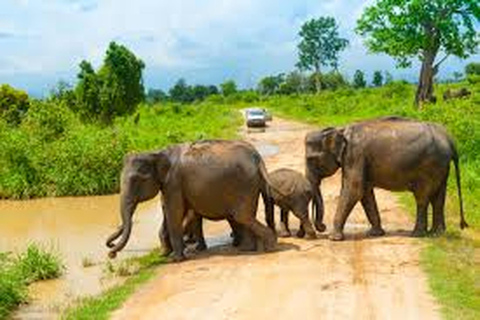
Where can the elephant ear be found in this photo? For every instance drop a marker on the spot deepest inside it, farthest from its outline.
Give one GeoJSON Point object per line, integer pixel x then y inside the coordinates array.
{"type": "Point", "coordinates": [335, 143]}
{"type": "Point", "coordinates": [162, 164]}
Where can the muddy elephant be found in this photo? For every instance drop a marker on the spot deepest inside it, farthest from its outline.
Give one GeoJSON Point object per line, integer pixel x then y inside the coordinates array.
{"type": "Point", "coordinates": [295, 196]}
{"type": "Point", "coordinates": [456, 94]}
{"type": "Point", "coordinates": [217, 179]}
{"type": "Point", "coordinates": [390, 153]}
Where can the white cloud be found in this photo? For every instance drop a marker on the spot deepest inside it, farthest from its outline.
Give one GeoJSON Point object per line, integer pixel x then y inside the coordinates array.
{"type": "Point", "coordinates": [205, 40]}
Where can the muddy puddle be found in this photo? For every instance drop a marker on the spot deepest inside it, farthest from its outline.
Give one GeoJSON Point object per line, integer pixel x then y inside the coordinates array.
{"type": "Point", "coordinates": [76, 228]}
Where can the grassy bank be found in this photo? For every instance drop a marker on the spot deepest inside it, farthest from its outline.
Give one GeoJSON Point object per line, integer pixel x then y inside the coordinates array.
{"type": "Point", "coordinates": [102, 306]}
{"type": "Point", "coordinates": [53, 153]}
{"type": "Point", "coordinates": [18, 271]}
{"type": "Point", "coordinates": [452, 262]}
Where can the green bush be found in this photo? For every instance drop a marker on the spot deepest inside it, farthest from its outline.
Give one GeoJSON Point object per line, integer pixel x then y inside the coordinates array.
{"type": "Point", "coordinates": [13, 104]}
{"type": "Point", "coordinates": [16, 272]}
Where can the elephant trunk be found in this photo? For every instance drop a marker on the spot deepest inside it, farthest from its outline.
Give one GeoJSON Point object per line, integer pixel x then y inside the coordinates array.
{"type": "Point", "coordinates": [114, 237]}
{"type": "Point", "coordinates": [127, 210]}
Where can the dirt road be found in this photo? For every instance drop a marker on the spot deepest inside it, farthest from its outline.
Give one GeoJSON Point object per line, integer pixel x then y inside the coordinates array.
{"type": "Point", "coordinates": [360, 278]}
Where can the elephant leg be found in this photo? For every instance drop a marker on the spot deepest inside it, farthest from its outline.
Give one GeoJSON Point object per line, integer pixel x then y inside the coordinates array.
{"type": "Point", "coordinates": [370, 207]}
{"type": "Point", "coordinates": [198, 233]}
{"type": "Point", "coordinates": [350, 194]}
{"type": "Point", "coordinates": [243, 238]}
{"type": "Point", "coordinates": [246, 217]}
{"type": "Point", "coordinates": [164, 238]}
{"type": "Point", "coordinates": [420, 229]}
{"type": "Point", "coordinates": [284, 230]}
{"type": "Point", "coordinates": [306, 227]}
{"type": "Point", "coordinates": [163, 234]}
{"type": "Point", "coordinates": [269, 211]}
{"type": "Point", "coordinates": [175, 215]}
{"type": "Point", "coordinates": [189, 227]}
{"type": "Point", "coordinates": [438, 205]}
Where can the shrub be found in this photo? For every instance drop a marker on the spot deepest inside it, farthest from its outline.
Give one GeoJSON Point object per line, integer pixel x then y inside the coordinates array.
{"type": "Point", "coordinates": [13, 104]}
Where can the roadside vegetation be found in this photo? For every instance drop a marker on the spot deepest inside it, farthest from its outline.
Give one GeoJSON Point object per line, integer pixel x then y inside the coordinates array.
{"type": "Point", "coordinates": [140, 270]}
{"type": "Point", "coordinates": [18, 271]}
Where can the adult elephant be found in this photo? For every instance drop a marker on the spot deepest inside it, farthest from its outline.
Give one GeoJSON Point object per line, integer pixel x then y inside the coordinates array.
{"type": "Point", "coordinates": [217, 179]}
{"type": "Point", "coordinates": [391, 153]}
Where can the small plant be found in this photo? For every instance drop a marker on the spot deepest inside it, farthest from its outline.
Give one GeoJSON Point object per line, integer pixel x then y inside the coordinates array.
{"type": "Point", "coordinates": [38, 264]}
{"type": "Point", "coordinates": [87, 262]}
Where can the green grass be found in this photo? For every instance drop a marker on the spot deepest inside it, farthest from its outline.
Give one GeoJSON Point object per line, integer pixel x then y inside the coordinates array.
{"type": "Point", "coordinates": [451, 262]}
{"type": "Point", "coordinates": [52, 153]}
{"type": "Point", "coordinates": [100, 307]}
{"type": "Point", "coordinates": [16, 272]}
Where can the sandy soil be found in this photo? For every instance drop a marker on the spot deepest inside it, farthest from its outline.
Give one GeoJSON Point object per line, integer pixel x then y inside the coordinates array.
{"type": "Point", "coordinates": [360, 278]}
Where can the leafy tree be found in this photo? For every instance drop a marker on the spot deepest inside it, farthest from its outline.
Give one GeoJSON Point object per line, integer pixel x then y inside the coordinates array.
{"type": "Point", "coordinates": [88, 92]}
{"type": "Point", "coordinates": [271, 84]}
{"type": "Point", "coordinates": [423, 29]}
{"type": "Point", "coordinates": [320, 45]}
{"type": "Point", "coordinates": [121, 82]}
{"type": "Point", "coordinates": [457, 76]}
{"type": "Point", "coordinates": [388, 77]}
{"type": "Point", "coordinates": [228, 88]}
{"type": "Point", "coordinates": [200, 92]}
{"type": "Point", "coordinates": [212, 89]}
{"type": "Point", "coordinates": [359, 79]}
{"type": "Point", "coordinates": [377, 79]}
{"type": "Point", "coordinates": [155, 96]}
{"type": "Point", "coordinates": [14, 104]}
{"type": "Point", "coordinates": [295, 82]}
{"type": "Point", "coordinates": [472, 68]}
{"type": "Point", "coordinates": [181, 92]}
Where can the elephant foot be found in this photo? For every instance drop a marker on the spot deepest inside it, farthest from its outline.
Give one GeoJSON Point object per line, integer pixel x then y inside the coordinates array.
{"type": "Point", "coordinates": [175, 258]}
{"type": "Point", "coordinates": [437, 231]}
{"type": "Point", "coordinates": [310, 236]}
{"type": "Point", "coordinates": [300, 233]}
{"type": "Point", "coordinates": [321, 227]}
{"type": "Point", "coordinates": [376, 232]}
{"type": "Point", "coordinates": [270, 243]}
{"type": "Point", "coordinates": [189, 240]}
{"type": "Point", "coordinates": [418, 233]}
{"type": "Point", "coordinates": [201, 246]}
{"type": "Point", "coordinates": [247, 246]}
{"type": "Point", "coordinates": [336, 236]}
{"type": "Point", "coordinates": [165, 252]}
{"type": "Point", "coordinates": [284, 233]}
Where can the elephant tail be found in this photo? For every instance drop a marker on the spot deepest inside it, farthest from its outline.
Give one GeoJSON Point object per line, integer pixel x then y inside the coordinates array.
{"type": "Point", "coordinates": [463, 223]}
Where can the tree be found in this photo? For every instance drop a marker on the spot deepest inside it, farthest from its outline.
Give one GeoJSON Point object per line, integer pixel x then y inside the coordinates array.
{"type": "Point", "coordinates": [87, 92]}
{"type": "Point", "coordinates": [388, 77]}
{"type": "Point", "coordinates": [472, 68]}
{"type": "Point", "coordinates": [457, 76]}
{"type": "Point", "coordinates": [295, 82]}
{"type": "Point", "coordinates": [14, 104]}
{"type": "Point", "coordinates": [359, 79]}
{"type": "Point", "coordinates": [271, 84]}
{"type": "Point", "coordinates": [320, 45]}
{"type": "Point", "coordinates": [377, 79]}
{"type": "Point", "coordinates": [121, 82]}
{"type": "Point", "coordinates": [181, 92]}
{"type": "Point", "coordinates": [423, 29]}
{"type": "Point", "coordinates": [155, 96]}
{"type": "Point", "coordinates": [228, 88]}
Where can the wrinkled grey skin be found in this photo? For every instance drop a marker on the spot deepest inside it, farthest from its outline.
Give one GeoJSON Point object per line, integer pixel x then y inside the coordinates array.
{"type": "Point", "coordinates": [390, 153]}
{"type": "Point", "coordinates": [455, 94]}
{"type": "Point", "coordinates": [295, 196]}
{"type": "Point", "coordinates": [217, 179]}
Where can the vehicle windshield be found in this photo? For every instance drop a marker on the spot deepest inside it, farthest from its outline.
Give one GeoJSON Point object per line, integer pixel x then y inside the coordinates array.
{"type": "Point", "coordinates": [256, 113]}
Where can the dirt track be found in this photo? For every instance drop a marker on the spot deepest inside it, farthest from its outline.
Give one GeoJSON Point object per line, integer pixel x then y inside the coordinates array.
{"type": "Point", "coordinates": [360, 278]}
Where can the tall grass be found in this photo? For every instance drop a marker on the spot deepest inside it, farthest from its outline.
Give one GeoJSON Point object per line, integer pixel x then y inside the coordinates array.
{"type": "Point", "coordinates": [52, 153]}
{"type": "Point", "coordinates": [16, 272]}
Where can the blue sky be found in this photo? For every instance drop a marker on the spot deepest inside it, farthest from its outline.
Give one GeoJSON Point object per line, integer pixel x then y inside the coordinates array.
{"type": "Point", "coordinates": [203, 41]}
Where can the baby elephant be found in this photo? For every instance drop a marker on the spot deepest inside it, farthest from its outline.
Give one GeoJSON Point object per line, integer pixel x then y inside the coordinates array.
{"type": "Point", "coordinates": [291, 191]}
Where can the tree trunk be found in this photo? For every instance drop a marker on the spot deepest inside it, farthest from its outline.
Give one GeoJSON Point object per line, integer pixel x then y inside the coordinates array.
{"type": "Point", "coordinates": [318, 85]}
{"type": "Point", "coordinates": [425, 82]}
